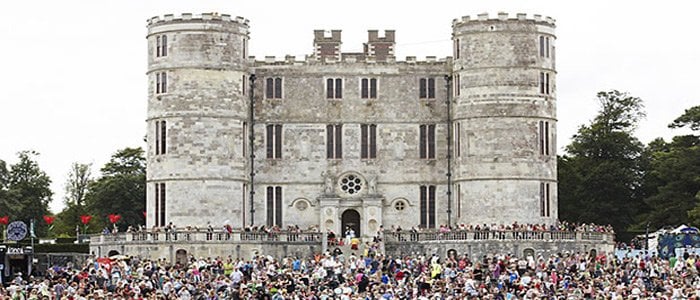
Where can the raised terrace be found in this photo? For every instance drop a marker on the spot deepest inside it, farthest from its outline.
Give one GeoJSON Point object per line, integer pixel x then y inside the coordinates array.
{"type": "Point", "coordinates": [243, 244]}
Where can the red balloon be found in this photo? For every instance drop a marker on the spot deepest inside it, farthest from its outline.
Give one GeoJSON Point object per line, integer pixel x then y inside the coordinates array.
{"type": "Point", "coordinates": [85, 219]}
{"type": "Point", "coordinates": [49, 219]}
{"type": "Point", "coordinates": [114, 218]}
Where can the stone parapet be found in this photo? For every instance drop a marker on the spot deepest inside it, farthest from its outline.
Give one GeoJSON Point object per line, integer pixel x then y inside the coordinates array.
{"type": "Point", "coordinates": [189, 17]}
{"type": "Point", "coordinates": [476, 244]}
{"type": "Point", "coordinates": [176, 246]}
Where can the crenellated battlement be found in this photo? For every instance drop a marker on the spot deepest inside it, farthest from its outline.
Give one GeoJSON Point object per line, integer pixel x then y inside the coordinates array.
{"type": "Point", "coordinates": [214, 16]}
{"type": "Point", "coordinates": [503, 16]}
{"type": "Point", "coordinates": [347, 58]}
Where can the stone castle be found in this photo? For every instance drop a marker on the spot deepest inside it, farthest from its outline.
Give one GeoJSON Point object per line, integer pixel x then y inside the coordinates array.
{"type": "Point", "coordinates": [360, 140]}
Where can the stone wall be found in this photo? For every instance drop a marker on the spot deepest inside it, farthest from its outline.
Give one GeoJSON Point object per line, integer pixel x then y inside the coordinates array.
{"type": "Point", "coordinates": [499, 105]}
{"type": "Point", "coordinates": [477, 249]}
{"type": "Point", "coordinates": [496, 108]}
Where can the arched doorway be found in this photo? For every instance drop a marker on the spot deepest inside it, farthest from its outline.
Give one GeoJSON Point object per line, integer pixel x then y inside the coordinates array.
{"type": "Point", "coordinates": [350, 218]}
{"type": "Point", "coordinates": [181, 257]}
{"type": "Point", "coordinates": [594, 253]}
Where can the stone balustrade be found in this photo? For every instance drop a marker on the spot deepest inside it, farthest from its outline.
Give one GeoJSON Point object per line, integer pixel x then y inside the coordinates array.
{"type": "Point", "coordinates": [141, 237]}
{"type": "Point", "coordinates": [505, 235]}
{"type": "Point", "coordinates": [176, 246]}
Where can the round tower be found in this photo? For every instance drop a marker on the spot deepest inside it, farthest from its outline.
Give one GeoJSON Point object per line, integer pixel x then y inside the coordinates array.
{"type": "Point", "coordinates": [505, 120]}
{"type": "Point", "coordinates": [197, 120]}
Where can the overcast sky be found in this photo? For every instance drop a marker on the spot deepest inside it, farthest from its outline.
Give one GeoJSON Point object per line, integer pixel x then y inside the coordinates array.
{"type": "Point", "coordinates": [73, 84]}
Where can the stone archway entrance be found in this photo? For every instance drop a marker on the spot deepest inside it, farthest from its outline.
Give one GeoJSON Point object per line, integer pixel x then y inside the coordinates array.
{"type": "Point", "coordinates": [181, 256]}
{"type": "Point", "coordinates": [350, 218]}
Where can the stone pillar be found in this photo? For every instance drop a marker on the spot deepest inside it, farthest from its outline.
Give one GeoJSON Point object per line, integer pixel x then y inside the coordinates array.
{"type": "Point", "coordinates": [372, 214]}
{"type": "Point", "coordinates": [329, 219]}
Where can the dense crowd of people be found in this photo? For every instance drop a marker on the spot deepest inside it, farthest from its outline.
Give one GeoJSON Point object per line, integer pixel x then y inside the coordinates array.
{"type": "Point", "coordinates": [369, 274]}
{"type": "Point", "coordinates": [560, 226]}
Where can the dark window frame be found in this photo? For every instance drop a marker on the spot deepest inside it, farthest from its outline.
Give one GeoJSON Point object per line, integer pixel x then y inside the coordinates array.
{"type": "Point", "coordinates": [426, 88]}
{"type": "Point", "coordinates": [427, 141]}
{"type": "Point", "coordinates": [368, 141]}
{"type": "Point", "coordinates": [273, 141]}
{"type": "Point", "coordinates": [427, 205]}
{"type": "Point", "coordinates": [334, 141]}
{"type": "Point", "coordinates": [273, 206]}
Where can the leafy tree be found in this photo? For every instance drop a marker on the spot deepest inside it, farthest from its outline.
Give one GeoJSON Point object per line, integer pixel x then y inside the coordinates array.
{"type": "Point", "coordinates": [686, 158]}
{"type": "Point", "coordinates": [690, 118]}
{"type": "Point", "coordinates": [79, 179]}
{"type": "Point", "coordinates": [29, 190]}
{"type": "Point", "coordinates": [4, 184]}
{"type": "Point", "coordinates": [673, 180]}
{"type": "Point", "coordinates": [600, 174]}
{"type": "Point", "coordinates": [121, 189]}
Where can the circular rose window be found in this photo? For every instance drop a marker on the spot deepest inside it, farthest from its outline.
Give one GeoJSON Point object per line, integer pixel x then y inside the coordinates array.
{"type": "Point", "coordinates": [351, 184]}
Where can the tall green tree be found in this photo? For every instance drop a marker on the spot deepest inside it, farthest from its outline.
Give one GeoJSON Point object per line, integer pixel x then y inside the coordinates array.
{"type": "Point", "coordinates": [29, 190]}
{"type": "Point", "coordinates": [673, 181]}
{"type": "Point", "coordinates": [121, 189]}
{"type": "Point", "coordinates": [682, 163]}
{"type": "Point", "coordinates": [4, 184]}
{"type": "Point", "coordinates": [76, 187]}
{"type": "Point", "coordinates": [77, 183]}
{"type": "Point", "coordinates": [600, 173]}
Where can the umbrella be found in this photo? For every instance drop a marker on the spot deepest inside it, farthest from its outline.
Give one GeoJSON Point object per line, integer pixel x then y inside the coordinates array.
{"type": "Point", "coordinates": [689, 230]}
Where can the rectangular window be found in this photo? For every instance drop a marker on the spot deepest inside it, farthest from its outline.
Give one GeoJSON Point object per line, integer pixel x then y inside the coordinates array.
{"type": "Point", "coordinates": [426, 141]}
{"type": "Point", "coordinates": [542, 50]}
{"type": "Point", "coordinates": [543, 137]}
{"type": "Point", "coordinates": [157, 144]}
{"type": "Point", "coordinates": [158, 46]}
{"type": "Point", "coordinates": [244, 138]}
{"type": "Point", "coordinates": [547, 47]}
{"type": "Point", "coordinates": [456, 48]}
{"type": "Point", "coordinates": [456, 85]}
{"type": "Point", "coordinates": [269, 88]}
{"type": "Point", "coordinates": [273, 88]}
{"type": "Point", "coordinates": [334, 88]}
{"type": "Point", "coordinates": [161, 82]}
{"type": "Point", "coordinates": [274, 140]}
{"type": "Point", "coordinates": [334, 141]}
{"type": "Point", "coordinates": [546, 196]}
{"type": "Point", "coordinates": [244, 199]}
{"type": "Point", "coordinates": [427, 206]}
{"type": "Point", "coordinates": [278, 88]}
{"type": "Point", "coordinates": [459, 200]}
{"type": "Point", "coordinates": [161, 45]}
{"type": "Point", "coordinates": [544, 200]}
{"type": "Point", "coordinates": [156, 215]}
{"type": "Point", "coordinates": [274, 206]}
{"type": "Point", "coordinates": [426, 88]}
{"type": "Point", "coordinates": [368, 141]}
{"type": "Point", "coordinates": [458, 139]}
{"type": "Point", "coordinates": [161, 135]}
{"type": "Point", "coordinates": [244, 49]}
{"type": "Point", "coordinates": [160, 204]}
{"type": "Point", "coordinates": [244, 83]}
{"type": "Point", "coordinates": [544, 83]}
{"type": "Point", "coordinates": [368, 88]}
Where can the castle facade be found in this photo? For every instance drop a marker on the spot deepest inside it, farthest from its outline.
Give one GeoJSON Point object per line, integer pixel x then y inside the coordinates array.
{"type": "Point", "coordinates": [358, 140]}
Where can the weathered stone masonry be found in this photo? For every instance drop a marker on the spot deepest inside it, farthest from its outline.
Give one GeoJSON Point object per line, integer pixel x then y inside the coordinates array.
{"type": "Point", "coordinates": [501, 88]}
